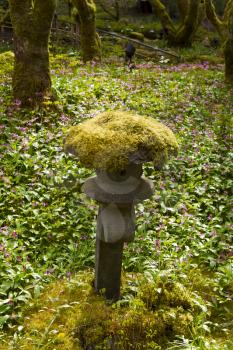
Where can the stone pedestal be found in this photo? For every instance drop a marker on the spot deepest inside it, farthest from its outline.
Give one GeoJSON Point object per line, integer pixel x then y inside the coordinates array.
{"type": "Point", "coordinates": [108, 262]}
{"type": "Point", "coordinates": [117, 193]}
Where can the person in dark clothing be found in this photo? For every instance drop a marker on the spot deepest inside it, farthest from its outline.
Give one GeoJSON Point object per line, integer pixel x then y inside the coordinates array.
{"type": "Point", "coordinates": [129, 53]}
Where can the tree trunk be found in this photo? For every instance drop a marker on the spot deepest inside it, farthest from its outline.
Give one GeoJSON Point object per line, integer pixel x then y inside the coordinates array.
{"type": "Point", "coordinates": [90, 41]}
{"type": "Point", "coordinates": [187, 29]}
{"type": "Point", "coordinates": [214, 18]}
{"type": "Point", "coordinates": [183, 6]}
{"type": "Point", "coordinates": [202, 12]}
{"type": "Point", "coordinates": [165, 19]}
{"type": "Point", "coordinates": [228, 53]}
{"type": "Point", "coordinates": [117, 9]}
{"type": "Point", "coordinates": [227, 10]}
{"type": "Point", "coordinates": [31, 24]}
{"type": "Point", "coordinates": [228, 50]}
{"type": "Point", "coordinates": [182, 36]}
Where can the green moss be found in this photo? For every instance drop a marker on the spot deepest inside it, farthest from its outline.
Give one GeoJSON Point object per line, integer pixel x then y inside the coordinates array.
{"type": "Point", "coordinates": [6, 62]}
{"type": "Point", "coordinates": [137, 36]}
{"type": "Point", "coordinates": [166, 293]}
{"type": "Point", "coordinates": [5, 56]}
{"type": "Point", "coordinates": [70, 316]}
{"type": "Point", "coordinates": [110, 140]}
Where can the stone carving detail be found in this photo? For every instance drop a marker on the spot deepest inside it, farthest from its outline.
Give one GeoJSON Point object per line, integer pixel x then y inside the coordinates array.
{"type": "Point", "coordinates": [117, 194]}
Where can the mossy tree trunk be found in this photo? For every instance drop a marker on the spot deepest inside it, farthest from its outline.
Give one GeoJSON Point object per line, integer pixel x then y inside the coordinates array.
{"type": "Point", "coordinates": [166, 21]}
{"type": "Point", "coordinates": [220, 23]}
{"type": "Point", "coordinates": [183, 6]}
{"type": "Point", "coordinates": [228, 50]}
{"type": "Point", "coordinates": [90, 41]}
{"type": "Point", "coordinates": [31, 22]}
{"type": "Point", "coordinates": [202, 12]}
{"type": "Point", "coordinates": [183, 34]}
{"type": "Point", "coordinates": [189, 26]}
{"type": "Point", "coordinates": [214, 18]}
{"type": "Point", "coordinates": [227, 10]}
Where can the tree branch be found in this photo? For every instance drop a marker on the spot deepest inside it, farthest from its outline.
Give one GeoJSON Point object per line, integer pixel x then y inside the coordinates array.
{"type": "Point", "coordinates": [227, 10]}
{"type": "Point", "coordinates": [190, 23]}
{"type": "Point", "coordinates": [4, 16]}
{"type": "Point", "coordinates": [86, 7]}
{"type": "Point", "coordinates": [166, 20]}
{"type": "Point", "coordinates": [114, 16]}
{"type": "Point", "coordinates": [214, 18]}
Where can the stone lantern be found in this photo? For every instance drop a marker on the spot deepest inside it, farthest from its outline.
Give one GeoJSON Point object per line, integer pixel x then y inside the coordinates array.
{"type": "Point", "coordinates": [116, 144]}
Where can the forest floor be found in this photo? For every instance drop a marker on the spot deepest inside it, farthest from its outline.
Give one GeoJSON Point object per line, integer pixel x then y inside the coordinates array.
{"type": "Point", "coordinates": [177, 274]}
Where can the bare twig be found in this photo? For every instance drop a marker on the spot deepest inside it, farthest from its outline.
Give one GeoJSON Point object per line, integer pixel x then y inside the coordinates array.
{"type": "Point", "coordinates": [139, 43]}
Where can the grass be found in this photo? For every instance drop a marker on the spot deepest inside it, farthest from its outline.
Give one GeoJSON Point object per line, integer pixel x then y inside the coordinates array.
{"type": "Point", "coordinates": [184, 234]}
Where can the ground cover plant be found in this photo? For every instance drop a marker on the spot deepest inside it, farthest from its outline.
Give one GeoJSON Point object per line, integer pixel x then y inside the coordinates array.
{"type": "Point", "coordinates": [184, 234]}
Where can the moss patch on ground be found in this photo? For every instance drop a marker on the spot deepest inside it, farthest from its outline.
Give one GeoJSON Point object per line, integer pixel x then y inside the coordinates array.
{"type": "Point", "coordinates": [69, 315]}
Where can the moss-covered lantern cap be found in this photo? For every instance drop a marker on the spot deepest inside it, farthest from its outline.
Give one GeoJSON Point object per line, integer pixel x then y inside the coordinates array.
{"type": "Point", "coordinates": [113, 139]}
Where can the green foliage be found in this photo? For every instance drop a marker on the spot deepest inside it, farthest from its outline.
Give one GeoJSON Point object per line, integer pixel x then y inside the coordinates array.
{"type": "Point", "coordinates": [47, 226]}
{"type": "Point", "coordinates": [6, 61]}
